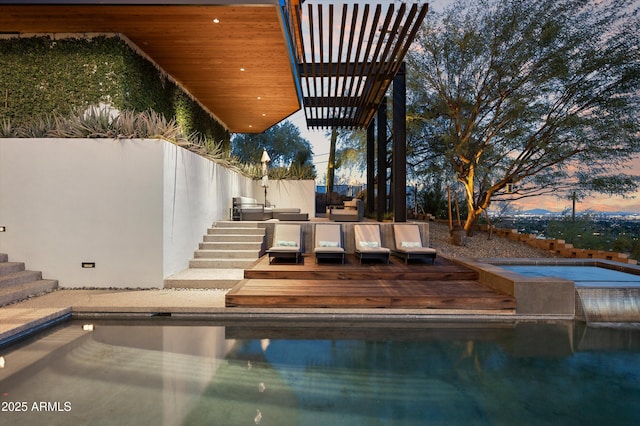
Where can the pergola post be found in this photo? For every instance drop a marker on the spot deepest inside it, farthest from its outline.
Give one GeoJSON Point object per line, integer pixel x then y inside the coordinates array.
{"type": "Point", "coordinates": [382, 159]}
{"type": "Point", "coordinates": [371, 173]}
{"type": "Point", "coordinates": [399, 148]}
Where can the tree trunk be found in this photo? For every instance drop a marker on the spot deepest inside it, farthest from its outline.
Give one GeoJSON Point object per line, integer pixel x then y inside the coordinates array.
{"type": "Point", "coordinates": [332, 164]}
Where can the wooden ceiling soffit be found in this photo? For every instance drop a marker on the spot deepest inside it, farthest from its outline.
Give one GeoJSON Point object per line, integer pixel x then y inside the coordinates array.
{"type": "Point", "coordinates": [234, 59]}
{"type": "Point", "coordinates": [347, 56]}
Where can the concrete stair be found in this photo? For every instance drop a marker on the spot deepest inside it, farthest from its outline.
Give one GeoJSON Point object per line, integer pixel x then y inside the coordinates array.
{"type": "Point", "coordinates": [16, 283]}
{"type": "Point", "coordinates": [228, 248]}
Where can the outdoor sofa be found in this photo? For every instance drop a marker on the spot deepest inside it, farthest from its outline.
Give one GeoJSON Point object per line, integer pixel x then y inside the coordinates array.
{"type": "Point", "coordinates": [349, 211]}
{"type": "Point", "coordinates": [245, 208]}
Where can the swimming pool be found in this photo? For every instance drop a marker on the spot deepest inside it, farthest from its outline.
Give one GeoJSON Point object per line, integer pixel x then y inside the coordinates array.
{"type": "Point", "coordinates": [351, 374]}
{"type": "Point", "coordinates": [581, 275]}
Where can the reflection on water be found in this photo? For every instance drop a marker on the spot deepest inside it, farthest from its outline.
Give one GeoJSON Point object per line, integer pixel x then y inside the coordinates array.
{"type": "Point", "coordinates": [583, 276]}
{"type": "Point", "coordinates": [277, 374]}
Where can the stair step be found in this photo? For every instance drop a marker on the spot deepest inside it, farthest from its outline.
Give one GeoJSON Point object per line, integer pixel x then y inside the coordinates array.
{"type": "Point", "coordinates": [209, 238]}
{"type": "Point", "coordinates": [236, 224]}
{"type": "Point", "coordinates": [221, 263]}
{"type": "Point", "coordinates": [231, 245]}
{"type": "Point", "coordinates": [227, 249]}
{"type": "Point", "coordinates": [11, 267]}
{"type": "Point", "coordinates": [18, 278]}
{"type": "Point", "coordinates": [236, 231]}
{"type": "Point", "coordinates": [205, 278]}
{"type": "Point", "coordinates": [227, 254]}
{"type": "Point", "coordinates": [26, 290]}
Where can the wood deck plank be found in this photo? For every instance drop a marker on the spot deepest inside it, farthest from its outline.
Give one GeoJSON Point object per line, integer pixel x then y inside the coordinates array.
{"type": "Point", "coordinates": [443, 286]}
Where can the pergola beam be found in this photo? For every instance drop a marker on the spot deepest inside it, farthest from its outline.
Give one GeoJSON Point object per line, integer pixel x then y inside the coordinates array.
{"type": "Point", "coordinates": [345, 89]}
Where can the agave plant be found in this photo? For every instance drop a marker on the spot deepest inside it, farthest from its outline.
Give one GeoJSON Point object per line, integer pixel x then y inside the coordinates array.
{"type": "Point", "coordinates": [299, 172]}
{"type": "Point", "coordinates": [126, 124]}
{"type": "Point", "coordinates": [7, 130]}
{"type": "Point", "coordinates": [36, 129]}
{"type": "Point", "coordinates": [106, 122]}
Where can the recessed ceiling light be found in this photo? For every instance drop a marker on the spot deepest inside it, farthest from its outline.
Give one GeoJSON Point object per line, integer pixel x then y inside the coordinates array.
{"type": "Point", "coordinates": [259, 98]}
{"type": "Point", "coordinates": [264, 115]}
{"type": "Point", "coordinates": [250, 125]}
{"type": "Point", "coordinates": [216, 21]}
{"type": "Point", "coordinates": [242, 69]}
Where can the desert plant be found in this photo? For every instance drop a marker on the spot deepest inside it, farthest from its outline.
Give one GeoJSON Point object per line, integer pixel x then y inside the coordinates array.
{"type": "Point", "coordinates": [6, 129]}
{"type": "Point", "coordinates": [36, 129]}
{"type": "Point", "coordinates": [106, 122]}
{"type": "Point", "coordinates": [301, 171]}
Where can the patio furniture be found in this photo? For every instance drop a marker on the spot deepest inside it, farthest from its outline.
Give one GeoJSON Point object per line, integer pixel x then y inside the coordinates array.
{"type": "Point", "coordinates": [350, 211]}
{"type": "Point", "coordinates": [292, 214]}
{"type": "Point", "coordinates": [286, 243]}
{"type": "Point", "coordinates": [245, 208]}
{"type": "Point", "coordinates": [408, 244]}
{"type": "Point", "coordinates": [368, 243]}
{"type": "Point", "coordinates": [328, 242]}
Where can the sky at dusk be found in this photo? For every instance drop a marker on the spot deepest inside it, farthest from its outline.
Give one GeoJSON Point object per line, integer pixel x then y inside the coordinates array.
{"type": "Point", "coordinates": [597, 202]}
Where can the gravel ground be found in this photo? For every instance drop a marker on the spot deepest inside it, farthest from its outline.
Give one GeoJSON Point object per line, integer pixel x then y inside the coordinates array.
{"type": "Point", "coordinates": [480, 246]}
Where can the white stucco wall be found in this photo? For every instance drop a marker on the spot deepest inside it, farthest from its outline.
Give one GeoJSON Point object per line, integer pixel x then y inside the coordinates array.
{"type": "Point", "coordinates": [65, 202]}
{"type": "Point", "coordinates": [137, 208]}
{"type": "Point", "coordinates": [289, 193]}
{"type": "Point", "coordinates": [197, 192]}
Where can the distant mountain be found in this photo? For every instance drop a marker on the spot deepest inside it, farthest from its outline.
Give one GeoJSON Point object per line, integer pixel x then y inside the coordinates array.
{"type": "Point", "coordinates": [616, 213]}
{"type": "Point", "coordinates": [544, 212]}
{"type": "Point", "coordinates": [538, 212]}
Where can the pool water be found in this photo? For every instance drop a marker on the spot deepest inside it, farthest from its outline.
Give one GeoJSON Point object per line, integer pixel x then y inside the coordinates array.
{"type": "Point", "coordinates": [583, 276]}
{"type": "Point", "coordinates": [422, 374]}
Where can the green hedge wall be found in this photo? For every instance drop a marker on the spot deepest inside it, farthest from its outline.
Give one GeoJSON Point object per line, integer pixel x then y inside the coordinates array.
{"type": "Point", "coordinates": [40, 76]}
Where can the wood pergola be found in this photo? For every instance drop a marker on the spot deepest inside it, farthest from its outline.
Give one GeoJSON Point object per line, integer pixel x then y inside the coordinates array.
{"type": "Point", "coordinates": [347, 56]}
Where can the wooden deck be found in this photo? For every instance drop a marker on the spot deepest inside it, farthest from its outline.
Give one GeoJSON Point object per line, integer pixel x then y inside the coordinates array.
{"type": "Point", "coordinates": [443, 286]}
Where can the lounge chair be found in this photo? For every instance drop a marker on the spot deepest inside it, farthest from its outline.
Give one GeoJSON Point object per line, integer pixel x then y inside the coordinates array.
{"type": "Point", "coordinates": [368, 243]}
{"type": "Point", "coordinates": [286, 243]}
{"type": "Point", "coordinates": [408, 244]}
{"type": "Point", "coordinates": [328, 242]}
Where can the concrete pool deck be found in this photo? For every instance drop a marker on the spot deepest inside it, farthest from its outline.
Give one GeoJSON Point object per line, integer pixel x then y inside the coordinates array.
{"type": "Point", "coordinates": [205, 304]}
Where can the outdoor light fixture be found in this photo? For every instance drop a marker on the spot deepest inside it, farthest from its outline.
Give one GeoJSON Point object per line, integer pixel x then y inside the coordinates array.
{"type": "Point", "coordinates": [88, 265]}
{"type": "Point", "coordinates": [1, 362]}
{"type": "Point", "coordinates": [87, 327]}
{"type": "Point", "coordinates": [3, 229]}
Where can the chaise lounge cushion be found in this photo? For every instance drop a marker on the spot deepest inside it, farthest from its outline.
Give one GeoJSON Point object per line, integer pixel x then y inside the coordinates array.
{"type": "Point", "coordinates": [368, 243]}
{"type": "Point", "coordinates": [408, 243]}
{"type": "Point", "coordinates": [286, 242]}
{"type": "Point", "coordinates": [328, 242]}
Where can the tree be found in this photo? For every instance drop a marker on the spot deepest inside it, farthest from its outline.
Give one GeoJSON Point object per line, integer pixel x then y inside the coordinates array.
{"type": "Point", "coordinates": [521, 98]}
{"type": "Point", "coordinates": [347, 154]}
{"type": "Point", "coordinates": [283, 142]}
